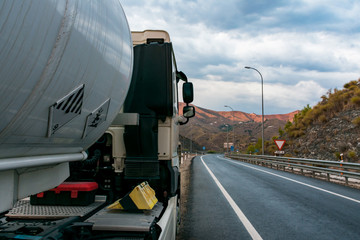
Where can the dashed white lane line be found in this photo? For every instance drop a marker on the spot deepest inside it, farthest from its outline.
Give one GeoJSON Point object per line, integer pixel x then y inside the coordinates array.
{"type": "Point", "coordinates": [295, 181]}
{"type": "Point", "coordinates": [247, 224]}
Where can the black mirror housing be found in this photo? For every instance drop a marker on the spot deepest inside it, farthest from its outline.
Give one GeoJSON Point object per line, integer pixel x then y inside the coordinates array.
{"type": "Point", "coordinates": [181, 76]}
{"type": "Point", "coordinates": [188, 111]}
{"type": "Point", "coordinates": [188, 92]}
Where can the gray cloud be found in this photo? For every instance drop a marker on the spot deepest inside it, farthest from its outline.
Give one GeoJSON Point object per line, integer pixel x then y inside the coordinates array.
{"type": "Point", "coordinates": [301, 47]}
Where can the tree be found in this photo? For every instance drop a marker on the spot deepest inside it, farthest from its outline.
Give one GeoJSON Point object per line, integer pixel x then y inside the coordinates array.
{"type": "Point", "coordinates": [281, 132]}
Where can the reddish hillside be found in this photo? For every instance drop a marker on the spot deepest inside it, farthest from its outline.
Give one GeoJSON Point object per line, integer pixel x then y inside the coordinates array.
{"type": "Point", "coordinates": [238, 116]}
{"type": "Point", "coordinates": [283, 117]}
{"type": "Point", "coordinates": [210, 129]}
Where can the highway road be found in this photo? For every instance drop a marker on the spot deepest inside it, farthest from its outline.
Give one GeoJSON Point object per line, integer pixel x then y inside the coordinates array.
{"type": "Point", "coordinates": [228, 199]}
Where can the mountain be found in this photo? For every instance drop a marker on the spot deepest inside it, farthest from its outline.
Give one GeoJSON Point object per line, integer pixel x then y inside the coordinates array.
{"type": "Point", "coordinates": [211, 129]}
{"type": "Point", "coordinates": [329, 129]}
{"type": "Point", "coordinates": [238, 116]}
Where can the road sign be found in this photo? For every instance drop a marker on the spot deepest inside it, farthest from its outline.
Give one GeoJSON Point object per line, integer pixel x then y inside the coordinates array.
{"type": "Point", "coordinates": [228, 145]}
{"type": "Point", "coordinates": [279, 143]}
{"type": "Point", "coordinates": [203, 148]}
{"type": "Point", "coordinates": [232, 148]}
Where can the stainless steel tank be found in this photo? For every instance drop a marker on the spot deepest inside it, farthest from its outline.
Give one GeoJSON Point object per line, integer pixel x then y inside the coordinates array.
{"type": "Point", "coordinates": [65, 69]}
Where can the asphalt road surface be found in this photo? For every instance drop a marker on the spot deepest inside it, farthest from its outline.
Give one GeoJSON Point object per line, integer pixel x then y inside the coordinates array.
{"type": "Point", "coordinates": [228, 199]}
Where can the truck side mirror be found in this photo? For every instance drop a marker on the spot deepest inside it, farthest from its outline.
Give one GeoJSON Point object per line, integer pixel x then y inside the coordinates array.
{"type": "Point", "coordinates": [188, 111]}
{"type": "Point", "coordinates": [188, 92]}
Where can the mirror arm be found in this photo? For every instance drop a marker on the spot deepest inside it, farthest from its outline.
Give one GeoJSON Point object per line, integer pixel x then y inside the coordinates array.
{"type": "Point", "coordinates": [181, 75]}
{"type": "Point", "coordinates": [183, 123]}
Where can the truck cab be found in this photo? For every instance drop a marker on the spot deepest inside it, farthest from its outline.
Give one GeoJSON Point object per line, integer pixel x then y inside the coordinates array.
{"type": "Point", "coordinates": [144, 137]}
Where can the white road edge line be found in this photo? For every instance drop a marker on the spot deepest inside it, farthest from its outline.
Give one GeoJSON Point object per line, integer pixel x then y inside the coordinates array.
{"type": "Point", "coordinates": [292, 180]}
{"type": "Point", "coordinates": [249, 227]}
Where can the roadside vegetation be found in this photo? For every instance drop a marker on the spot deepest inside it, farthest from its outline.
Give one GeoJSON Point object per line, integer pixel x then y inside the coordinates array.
{"type": "Point", "coordinates": [332, 103]}
{"type": "Point", "coordinates": [255, 148]}
{"type": "Point", "coordinates": [335, 104]}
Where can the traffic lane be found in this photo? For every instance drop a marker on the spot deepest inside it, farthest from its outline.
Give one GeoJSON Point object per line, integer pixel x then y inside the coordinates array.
{"type": "Point", "coordinates": [313, 212]}
{"type": "Point", "coordinates": [341, 189]}
{"type": "Point", "coordinates": [279, 208]}
{"type": "Point", "coordinates": [208, 215]}
{"type": "Point", "coordinates": [316, 183]}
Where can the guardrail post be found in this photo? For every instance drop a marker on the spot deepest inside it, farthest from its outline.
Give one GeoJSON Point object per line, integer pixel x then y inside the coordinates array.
{"type": "Point", "coordinates": [346, 180]}
{"type": "Point", "coordinates": [328, 177]}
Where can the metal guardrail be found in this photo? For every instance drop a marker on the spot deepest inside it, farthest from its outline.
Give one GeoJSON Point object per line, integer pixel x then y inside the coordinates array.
{"type": "Point", "coordinates": [305, 166]}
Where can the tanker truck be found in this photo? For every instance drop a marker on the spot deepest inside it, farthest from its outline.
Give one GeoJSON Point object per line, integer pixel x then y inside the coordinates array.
{"type": "Point", "coordinates": [90, 115]}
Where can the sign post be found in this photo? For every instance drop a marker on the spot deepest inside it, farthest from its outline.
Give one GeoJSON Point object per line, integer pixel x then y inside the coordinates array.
{"type": "Point", "coordinates": [227, 147]}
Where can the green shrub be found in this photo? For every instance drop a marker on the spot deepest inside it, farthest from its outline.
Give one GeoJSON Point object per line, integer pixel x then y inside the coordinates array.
{"type": "Point", "coordinates": [352, 154]}
{"type": "Point", "coordinates": [323, 118]}
{"type": "Point", "coordinates": [309, 117]}
{"type": "Point", "coordinates": [211, 152]}
{"type": "Point", "coordinates": [251, 148]}
{"type": "Point", "coordinates": [350, 84]}
{"type": "Point", "coordinates": [356, 121]}
{"type": "Point", "coordinates": [288, 125]}
{"type": "Point", "coordinates": [281, 132]}
{"type": "Point", "coordinates": [296, 133]}
{"type": "Point", "coordinates": [271, 149]}
{"type": "Point", "coordinates": [356, 100]}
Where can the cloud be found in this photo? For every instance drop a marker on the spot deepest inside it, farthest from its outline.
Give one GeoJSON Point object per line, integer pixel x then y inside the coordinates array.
{"type": "Point", "coordinates": [286, 97]}
{"type": "Point", "coordinates": [302, 48]}
{"type": "Point", "coordinates": [278, 98]}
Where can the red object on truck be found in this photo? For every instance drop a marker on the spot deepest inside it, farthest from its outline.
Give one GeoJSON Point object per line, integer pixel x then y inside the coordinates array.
{"type": "Point", "coordinates": [67, 194]}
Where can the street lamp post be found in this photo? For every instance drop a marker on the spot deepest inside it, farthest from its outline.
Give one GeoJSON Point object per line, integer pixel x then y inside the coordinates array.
{"type": "Point", "coordinates": [233, 123]}
{"type": "Point", "coordinates": [227, 139]}
{"type": "Point", "coordinates": [262, 107]}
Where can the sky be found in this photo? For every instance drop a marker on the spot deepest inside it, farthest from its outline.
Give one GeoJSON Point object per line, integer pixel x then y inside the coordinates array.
{"type": "Point", "coordinates": [302, 48]}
